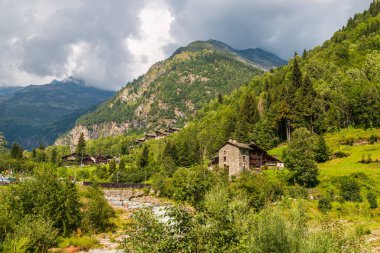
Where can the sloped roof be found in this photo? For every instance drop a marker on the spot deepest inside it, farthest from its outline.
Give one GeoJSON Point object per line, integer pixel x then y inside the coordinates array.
{"type": "Point", "coordinates": [238, 144]}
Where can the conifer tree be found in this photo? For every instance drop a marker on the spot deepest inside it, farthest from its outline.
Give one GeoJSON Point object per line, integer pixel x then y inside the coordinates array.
{"type": "Point", "coordinates": [296, 74]}
{"type": "Point", "coordinates": [220, 98]}
{"type": "Point", "coordinates": [122, 167]}
{"type": "Point", "coordinates": [144, 158]}
{"type": "Point", "coordinates": [249, 111]}
{"type": "Point", "coordinates": [304, 54]}
{"type": "Point", "coordinates": [112, 167]}
{"type": "Point", "coordinates": [53, 156]}
{"type": "Point", "coordinates": [81, 147]}
{"type": "Point", "coordinates": [16, 151]}
{"type": "Point", "coordinates": [322, 153]}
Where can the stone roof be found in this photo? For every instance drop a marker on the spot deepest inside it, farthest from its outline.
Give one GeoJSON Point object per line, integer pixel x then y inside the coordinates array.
{"type": "Point", "coordinates": [238, 144]}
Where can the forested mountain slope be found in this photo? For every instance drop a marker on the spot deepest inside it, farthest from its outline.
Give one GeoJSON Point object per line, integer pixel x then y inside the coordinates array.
{"type": "Point", "coordinates": [172, 91]}
{"type": "Point", "coordinates": [333, 86]}
{"type": "Point", "coordinates": [29, 115]}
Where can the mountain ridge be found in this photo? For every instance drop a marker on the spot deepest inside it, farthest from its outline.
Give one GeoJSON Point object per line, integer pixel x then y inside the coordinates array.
{"type": "Point", "coordinates": [170, 93]}
{"type": "Point", "coordinates": [28, 111]}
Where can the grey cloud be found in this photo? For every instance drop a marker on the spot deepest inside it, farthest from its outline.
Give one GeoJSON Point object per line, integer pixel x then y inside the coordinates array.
{"type": "Point", "coordinates": [37, 37]}
{"type": "Point", "coordinates": [44, 43]}
{"type": "Point", "coordinates": [278, 26]}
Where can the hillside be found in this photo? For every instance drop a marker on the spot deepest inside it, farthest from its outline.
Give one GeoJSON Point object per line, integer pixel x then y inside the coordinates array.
{"type": "Point", "coordinates": [29, 115]}
{"type": "Point", "coordinates": [172, 91]}
{"type": "Point", "coordinates": [332, 87]}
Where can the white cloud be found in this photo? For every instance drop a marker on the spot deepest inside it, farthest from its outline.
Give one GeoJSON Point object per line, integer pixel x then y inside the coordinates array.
{"type": "Point", "coordinates": [108, 43]}
{"type": "Point", "coordinates": [147, 46]}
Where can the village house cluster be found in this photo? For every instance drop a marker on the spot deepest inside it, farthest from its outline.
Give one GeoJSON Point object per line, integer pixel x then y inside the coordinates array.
{"type": "Point", "coordinates": [87, 159]}
{"type": "Point", "coordinates": [158, 135]}
{"type": "Point", "coordinates": [237, 157]}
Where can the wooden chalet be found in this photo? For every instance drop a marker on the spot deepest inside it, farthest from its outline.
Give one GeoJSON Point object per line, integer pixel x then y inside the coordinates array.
{"type": "Point", "coordinates": [171, 130]}
{"type": "Point", "coordinates": [70, 158]}
{"type": "Point", "coordinates": [160, 135]}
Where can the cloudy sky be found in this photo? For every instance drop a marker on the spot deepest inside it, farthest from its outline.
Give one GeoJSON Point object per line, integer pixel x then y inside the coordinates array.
{"type": "Point", "coordinates": [108, 43]}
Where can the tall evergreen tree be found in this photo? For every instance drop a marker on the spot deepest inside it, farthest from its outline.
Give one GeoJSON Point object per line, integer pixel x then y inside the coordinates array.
{"type": "Point", "coordinates": [144, 157]}
{"type": "Point", "coordinates": [249, 111]}
{"type": "Point", "coordinates": [16, 151]}
{"type": "Point", "coordinates": [54, 156]}
{"type": "Point", "coordinates": [81, 147]}
{"type": "Point", "coordinates": [112, 167]}
{"type": "Point", "coordinates": [296, 74]}
{"type": "Point", "coordinates": [322, 153]}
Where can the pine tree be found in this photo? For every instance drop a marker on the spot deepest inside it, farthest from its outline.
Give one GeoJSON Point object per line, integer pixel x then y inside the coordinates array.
{"type": "Point", "coordinates": [249, 111]}
{"type": "Point", "coordinates": [111, 167]}
{"type": "Point", "coordinates": [220, 98]}
{"type": "Point", "coordinates": [170, 151]}
{"type": "Point", "coordinates": [144, 157]}
{"type": "Point", "coordinates": [322, 151]}
{"type": "Point", "coordinates": [81, 147]}
{"type": "Point", "coordinates": [54, 156]}
{"type": "Point", "coordinates": [296, 74]}
{"type": "Point", "coordinates": [122, 165]}
{"type": "Point", "coordinates": [16, 151]}
{"type": "Point", "coordinates": [304, 54]}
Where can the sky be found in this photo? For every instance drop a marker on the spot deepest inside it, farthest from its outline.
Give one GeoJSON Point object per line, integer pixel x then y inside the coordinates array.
{"type": "Point", "coordinates": [109, 43]}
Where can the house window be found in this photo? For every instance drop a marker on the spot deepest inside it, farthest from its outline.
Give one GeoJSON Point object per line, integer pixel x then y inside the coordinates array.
{"type": "Point", "coordinates": [244, 158]}
{"type": "Point", "coordinates": [225, 159]}
{"type": "Point", "coordinates": [224, 152]}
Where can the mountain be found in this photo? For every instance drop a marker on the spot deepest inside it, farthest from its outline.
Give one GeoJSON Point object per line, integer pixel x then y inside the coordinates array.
{"type": "Point", "coordinates": [7, 92]}
{"type": "Point", "coordinates": [172, 91]}
{"type": "Point", "coordinates": [257, 57]}
{"type": "Point", "coordinates": [29, 115]}
{"type": "Point", "coordinates": [332, 87]}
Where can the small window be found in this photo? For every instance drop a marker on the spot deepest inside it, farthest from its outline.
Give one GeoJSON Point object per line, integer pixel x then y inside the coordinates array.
{"type": "Point", "coordinates": [225, 159]}
{"type": "Point", "coordinates": [224, 152]}
{"type": "Point", "coordinates": [244, 158]}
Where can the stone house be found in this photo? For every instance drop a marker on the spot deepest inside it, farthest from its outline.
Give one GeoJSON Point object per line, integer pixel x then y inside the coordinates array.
{"type": "Point", "coordinates": [237, 157]}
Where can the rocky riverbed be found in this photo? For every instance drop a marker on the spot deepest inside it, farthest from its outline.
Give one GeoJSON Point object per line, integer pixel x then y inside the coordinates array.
{"type": "Point", "coordinates": [128, 201]}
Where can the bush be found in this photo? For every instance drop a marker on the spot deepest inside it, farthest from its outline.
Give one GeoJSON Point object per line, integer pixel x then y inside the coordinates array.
{"type": "Point", "coordinates": [97, 212]}
{"type": "Point", "coordinates": [148, 234]}
{"type": "Point", "coordinates": [31, 234]}
{"type": "Point", "coordinates": [349, 189]}
{"type": "Point", "coordinates": [373, 139]}
{"type": "Point", "coordinates": [324, 204]}
{"type": "Point", "coordinates": [84, 242]}
{"type": "Point", "coordinates": [372, 200]}
{"type": "Point", "coordinates": [340, 154]}
{"type": "Point", "coordinates": [258, 188]}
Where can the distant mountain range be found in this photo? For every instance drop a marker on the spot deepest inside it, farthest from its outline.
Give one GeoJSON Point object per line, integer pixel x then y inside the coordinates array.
{"type": "Point", "coordinates": [40, 113]}
{"type": "Point", "coordinates": [173, 90]}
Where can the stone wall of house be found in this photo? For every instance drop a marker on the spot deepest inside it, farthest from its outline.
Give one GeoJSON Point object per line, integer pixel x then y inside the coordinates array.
{"type": "Point", "coordinates": [244, 159]}
{"type": "Point", "coordinates": [233, 159]}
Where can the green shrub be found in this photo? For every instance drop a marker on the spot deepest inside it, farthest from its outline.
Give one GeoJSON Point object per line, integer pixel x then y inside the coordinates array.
{"type": "Point", "coordinates": [31, 234]}
{"type": "Point", "coordinates": [340, 154]}
{"type": "Point", "coordinates": [349, 189]}
{"type": "Point", "coordinates": [83, 242]}
{"type": "Point", "coordinates": [97, 212]}
{"type": "Point", "coordinates": [324, 204]}
{"type": "Point", "coordinates": [372, 200]}
{"type": "Point", "coordinates": [373, 139]}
